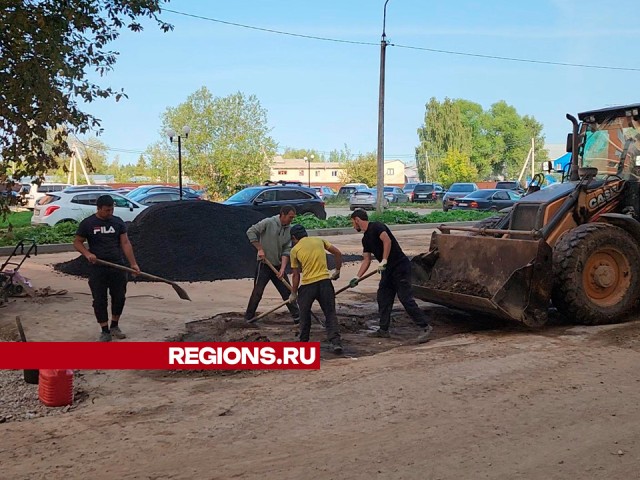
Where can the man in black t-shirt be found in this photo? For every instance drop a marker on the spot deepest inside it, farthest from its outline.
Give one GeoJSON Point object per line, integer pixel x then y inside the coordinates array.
{"type": "Point", "coordinates": [108, 240]}
{"type": "Point", "coordinates": [395, 270]}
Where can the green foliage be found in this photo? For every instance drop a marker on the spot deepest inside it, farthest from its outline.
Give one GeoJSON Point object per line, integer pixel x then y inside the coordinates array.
{"type": "Point", "coordinates": [392, 217]}
{"type": "Point", "coordinates": [16, 219]}
{"type": "Point", "coordinates": [229, 143]}
{"type": "Point", "coordinates": [456, 167]}
{"type": "Point", "coordinates": [48, 48]}
{"type": "Point", "coordinates": [364, 169]}
{"type": "Point", "coordinates": [43, 235]}
{"type": "Point", "coordinates": [340, 156]}
{"type": "Point", "coordinates": [443, 130]}
{"type": "Point", "coordinates": [299, 153]}
{"type": "Point", "coordinates": [496, 141]}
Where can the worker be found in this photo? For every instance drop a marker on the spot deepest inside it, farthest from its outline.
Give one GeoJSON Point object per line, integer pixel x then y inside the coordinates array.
{"type": "Point", "coordinates": [107, 237]}
{"type": "Point", "coordinates": [271, 237]}
{"type": "Point", "coordinates": [308, 258]}
{"type": "Point", "coordinates": [395, 270]}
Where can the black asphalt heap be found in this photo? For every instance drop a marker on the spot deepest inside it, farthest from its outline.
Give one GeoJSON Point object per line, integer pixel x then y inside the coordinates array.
{"type": "Point", "coordinates": [191, 241]}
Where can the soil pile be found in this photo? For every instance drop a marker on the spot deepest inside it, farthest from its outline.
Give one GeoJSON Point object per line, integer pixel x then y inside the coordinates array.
{"type": "Point", "coordinates": [190, 242]}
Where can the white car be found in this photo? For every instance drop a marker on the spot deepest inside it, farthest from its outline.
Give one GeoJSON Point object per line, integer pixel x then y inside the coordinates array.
{"type": "Point", "coordinates": [34, 192]}
{"type": "Point", "coordinates": [72, 206]}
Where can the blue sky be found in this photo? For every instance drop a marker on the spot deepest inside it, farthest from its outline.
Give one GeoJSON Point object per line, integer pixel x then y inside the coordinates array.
{"type": "Point", "coordinates": [323, 95]}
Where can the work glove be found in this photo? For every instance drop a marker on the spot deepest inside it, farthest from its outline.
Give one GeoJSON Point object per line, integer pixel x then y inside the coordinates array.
{"type": "Point", "coordinates": [353, 282]}
{"type": "Point", "coordinates": [293, 297]}
{"type": "Point", "coordinates": [335, 275]}
{"type": "Point", "coordinates": [382, 266]}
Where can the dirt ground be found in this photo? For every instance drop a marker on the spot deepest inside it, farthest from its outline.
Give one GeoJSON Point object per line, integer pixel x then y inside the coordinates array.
{"type": "Point", "coordinates": [483, 399]}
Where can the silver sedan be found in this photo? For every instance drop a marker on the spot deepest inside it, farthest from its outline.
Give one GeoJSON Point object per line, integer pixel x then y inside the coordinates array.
{"type": "Point", "coordinates": [366, 199]}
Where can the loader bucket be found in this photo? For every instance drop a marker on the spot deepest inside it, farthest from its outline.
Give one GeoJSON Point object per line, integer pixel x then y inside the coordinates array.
{"type": "Point", "coordinates": [507, 278]}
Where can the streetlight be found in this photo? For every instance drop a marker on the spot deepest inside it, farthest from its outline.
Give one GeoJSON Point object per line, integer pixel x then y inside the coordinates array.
{"type": "Point", "coordinates": [309, 160]}
{"type": "Point", "coordinates": [380, 182]}
{"type": "Point", "coordinates": [171, 133]}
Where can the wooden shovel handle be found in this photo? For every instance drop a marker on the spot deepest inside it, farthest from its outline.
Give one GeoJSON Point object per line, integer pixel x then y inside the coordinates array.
{"type": "Point", "coordinates": [131, 270]}
{"type": "Point", "coordinates": [364, 277]}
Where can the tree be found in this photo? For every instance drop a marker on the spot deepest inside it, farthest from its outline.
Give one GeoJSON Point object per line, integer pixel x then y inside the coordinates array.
{"type": "Point", "coordinates": [311, 154]}
{"type": "Point", "coordinates": [364, 169]}
{"type": "Point", "coordinates": [455, 167]}
{"type": "Point", "coordinates": [496, 141]}
{"type": "Point", "coordinates": [340, 156]}
{"type": "Point", "coordinates": [47, 48]}
{"type": "Point", "coordinates": [162, 164]}
{"type": "Point", "coordinates": [477, 120]}
{"type": "Point", "coordinates": [443, 130]}
{"type": "Point", "coordinates": [229, 144]}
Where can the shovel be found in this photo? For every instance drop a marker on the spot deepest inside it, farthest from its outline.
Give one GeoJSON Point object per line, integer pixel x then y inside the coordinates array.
{"type": "Point", "coordinates": [262, 315]}
{"type": "Point", "coordinates": [284, 280]}
{"type": "Point", "coordinates": [179, 290]}
{"type": "Point", "coordinates": [30, 376]}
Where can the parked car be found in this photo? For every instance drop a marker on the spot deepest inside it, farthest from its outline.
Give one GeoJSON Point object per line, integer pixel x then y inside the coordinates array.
{"type": "Point", "coordinates": [35, 192]}
{"type": "Point", "coordinates": [489, 199]}
{"type": "Point", "coordinates": [152, 197]}
{"type": "Point", "coordinates": [350, 188]}
{"type": "Point", "coordinates": [269, 199]}
{"type": "Point", "coordinates": [457, 190]}
{"type": "Point", "coordinates": [139, 192]}
{"type": "Point", "coordinates": [60, 207]}
{"type": "Point", "coordinates": [395, 195]}
{"type": "Point", "coordinates": [366, 199]}
{"type": "Point", "coordinates": [427, 192]}
{"type": "Point", "coordinates": [85, 188]}
{"type": "Point", "coordinates": [510, 185]}
{"type": "Point", "coordinates": [408, 189]}
{"type": "Point", "coordinates": [324, 192]}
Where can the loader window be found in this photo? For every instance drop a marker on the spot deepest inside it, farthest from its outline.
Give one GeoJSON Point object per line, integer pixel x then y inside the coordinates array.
{"type": "Point", "coordinates": [604, 144]}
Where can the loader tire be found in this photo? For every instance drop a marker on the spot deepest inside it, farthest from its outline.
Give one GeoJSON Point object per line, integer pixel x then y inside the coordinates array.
{"type": "Point", "coordinates": [596, 268]}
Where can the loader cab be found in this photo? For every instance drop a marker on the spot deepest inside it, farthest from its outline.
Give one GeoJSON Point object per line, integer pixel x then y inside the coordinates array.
{"type": "Point", "coordinates": [609, 140]}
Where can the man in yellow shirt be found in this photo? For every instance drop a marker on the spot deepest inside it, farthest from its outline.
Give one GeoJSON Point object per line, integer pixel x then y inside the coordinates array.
{"type": "Point", "coordinates": [308, 256]}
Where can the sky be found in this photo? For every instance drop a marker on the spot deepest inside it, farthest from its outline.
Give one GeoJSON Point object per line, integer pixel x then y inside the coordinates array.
{"type": "Point", "coordinates": [324, 94]}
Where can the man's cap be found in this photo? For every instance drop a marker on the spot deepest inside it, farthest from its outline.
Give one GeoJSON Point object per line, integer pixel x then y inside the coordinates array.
{"type": "Point", "coordinates": [298, 231]}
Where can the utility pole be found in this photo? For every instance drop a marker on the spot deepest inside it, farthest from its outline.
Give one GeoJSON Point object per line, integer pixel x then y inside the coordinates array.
{"type": "Point", "coordinates": [533, 158]}
{"type": "Point", "coordinates": [380, 173]}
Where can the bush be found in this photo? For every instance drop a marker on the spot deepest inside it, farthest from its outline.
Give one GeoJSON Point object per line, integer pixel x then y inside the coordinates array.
{"type": "Point", "coordinates": [392, 217]}
{"type": "Point", "coordinates": [42, 235]}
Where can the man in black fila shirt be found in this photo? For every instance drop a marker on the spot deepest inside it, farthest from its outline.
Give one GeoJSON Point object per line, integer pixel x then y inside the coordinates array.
{"type": "Point", "coordinates": [395, 270]}
{"type": "Point", "coordinates": [108, 240]}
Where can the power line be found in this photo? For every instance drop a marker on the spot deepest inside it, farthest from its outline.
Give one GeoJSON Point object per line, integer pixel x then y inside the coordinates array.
{"type": "Point", "coordinates": [521, 60]}
{"type": "Point", "coordinates": [410, 47]}
{"type": "Point", "coordinates": [270, 30]}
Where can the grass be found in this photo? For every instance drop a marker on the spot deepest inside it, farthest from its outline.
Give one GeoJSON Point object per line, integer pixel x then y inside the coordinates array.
{"type": "Point", "coordinates": [16, 219]}
{"type": "Point", "coordinates": [16, 226]}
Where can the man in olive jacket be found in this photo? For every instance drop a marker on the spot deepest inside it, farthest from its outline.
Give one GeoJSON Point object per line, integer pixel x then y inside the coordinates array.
{"type": "Point", "coordinates": [272, 239]}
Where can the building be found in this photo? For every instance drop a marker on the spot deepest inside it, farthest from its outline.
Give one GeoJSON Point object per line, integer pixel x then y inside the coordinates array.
{"type": "Point", "coordinates": [331, 174]}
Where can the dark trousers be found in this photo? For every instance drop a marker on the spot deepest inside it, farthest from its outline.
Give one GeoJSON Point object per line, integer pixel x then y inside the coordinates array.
{"type": "Point", "coordinates": [263, 276]}
{"type": "Point", "coordinates": [323, 292]}
{"type": "Point", "coordinates": [396, 280]}
{"type": "Point", "coordinates": [104, 281]}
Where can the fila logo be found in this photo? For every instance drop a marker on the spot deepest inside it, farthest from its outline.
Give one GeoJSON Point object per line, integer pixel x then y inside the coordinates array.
{"type": "Point", "coordinates": [103, 229]}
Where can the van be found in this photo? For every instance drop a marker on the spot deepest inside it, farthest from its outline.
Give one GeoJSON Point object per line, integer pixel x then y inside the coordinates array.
{"type": "Point", "coordinates": [34, 192]}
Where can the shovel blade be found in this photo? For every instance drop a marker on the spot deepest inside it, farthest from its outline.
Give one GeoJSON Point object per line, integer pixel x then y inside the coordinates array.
{"type": "Point", "coordinates": [182, 293]}
{"type": "Point", "coordinates": [507, 278]}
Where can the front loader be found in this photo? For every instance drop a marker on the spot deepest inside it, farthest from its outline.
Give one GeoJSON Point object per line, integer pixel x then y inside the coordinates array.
{"type": "Point", "coordinates": [575, 244]}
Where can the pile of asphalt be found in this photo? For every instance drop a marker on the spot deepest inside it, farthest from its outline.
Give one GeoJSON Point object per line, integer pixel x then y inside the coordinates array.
{"type": "Point", "coordinates": [190, 242]}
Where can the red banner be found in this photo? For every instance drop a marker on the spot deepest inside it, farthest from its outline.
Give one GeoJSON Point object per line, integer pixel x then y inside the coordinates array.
{"type": "Point", "coordinates": [160, 355]}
